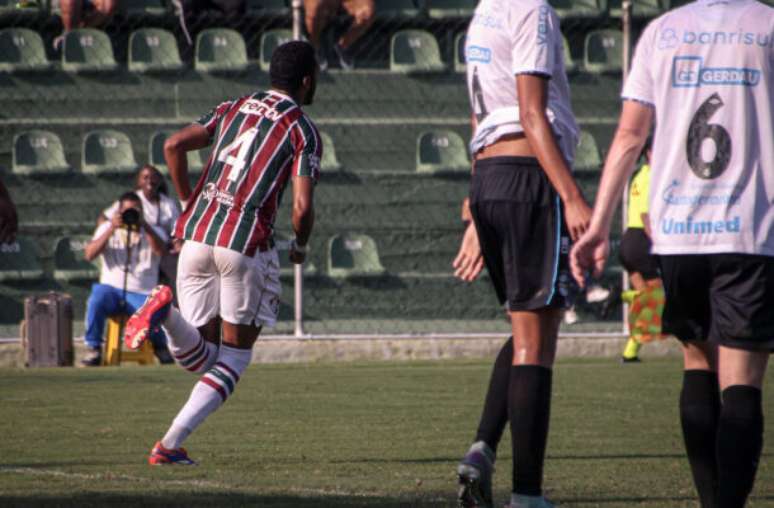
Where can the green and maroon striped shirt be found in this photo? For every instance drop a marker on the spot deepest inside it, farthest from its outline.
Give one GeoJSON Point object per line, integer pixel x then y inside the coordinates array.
{"type": "Point", "coordinates": [262, 140]}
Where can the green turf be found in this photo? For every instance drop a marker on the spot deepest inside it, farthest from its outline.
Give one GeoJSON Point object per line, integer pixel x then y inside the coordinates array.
{"type": "Point", "coordinates": [374, 435]}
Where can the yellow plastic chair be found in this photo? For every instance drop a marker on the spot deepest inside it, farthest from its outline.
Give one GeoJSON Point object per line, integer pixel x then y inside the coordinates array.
{"type": "Point", "coordinates": [114, 355]}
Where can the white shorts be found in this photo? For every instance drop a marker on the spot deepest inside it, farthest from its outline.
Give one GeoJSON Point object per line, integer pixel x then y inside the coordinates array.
{"type": "Point", "coordinates": [215, 281]}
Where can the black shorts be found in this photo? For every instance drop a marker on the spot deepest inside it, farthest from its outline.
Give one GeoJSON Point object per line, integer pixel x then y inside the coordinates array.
{"type": "Point", "coordinates": [524, 240]}
{"type": "Point", "coordinates": [727, 299]}
{"type": "Point", "coordinates": [635, 255]}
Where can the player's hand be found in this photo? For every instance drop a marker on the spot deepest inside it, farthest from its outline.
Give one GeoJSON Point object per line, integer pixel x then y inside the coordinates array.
{"type": "Point", "coordinates": [175, 246]}
{"type": "Point", "coordinates": [297, 253]}
{"type": "Point", "coordinates": [577, 215]}
{"type": "Point", "coordinates": [9, 221]}
{"type": "Point", "coordinates": [589, 254]}
{"type": "Point", "coordinates": [469, 261]}
{"type": "Point", "coordinates": [116, 221]}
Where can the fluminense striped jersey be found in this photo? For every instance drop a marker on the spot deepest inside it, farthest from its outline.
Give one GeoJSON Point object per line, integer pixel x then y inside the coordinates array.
{"type": "Point", "coordinates": [261, 140]}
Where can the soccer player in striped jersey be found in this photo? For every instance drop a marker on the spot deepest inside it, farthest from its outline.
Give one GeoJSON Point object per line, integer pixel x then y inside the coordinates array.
{"type": "Point", "coordinates": [704, 75]}
{"type": "Point", "coordinates": [228, 275]}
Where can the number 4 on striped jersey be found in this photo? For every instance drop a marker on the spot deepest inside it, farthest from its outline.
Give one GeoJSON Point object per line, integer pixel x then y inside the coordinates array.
{"type": "Point", "coordinates": [237, 164]}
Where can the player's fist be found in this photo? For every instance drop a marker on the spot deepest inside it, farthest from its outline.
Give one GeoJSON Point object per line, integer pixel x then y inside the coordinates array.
{"type": "Point", "coordinates": [589, 255]}
{"type": "Point", "coordinates": [297, 252]}
{"type": "Point", "coordinates": [469, 261]}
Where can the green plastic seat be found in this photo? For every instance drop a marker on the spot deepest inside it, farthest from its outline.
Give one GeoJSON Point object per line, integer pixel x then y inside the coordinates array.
{"type": "Point", "coordinates": [69, 263]}
{"type": "Point", "coordinates": [640, 8]}
{"type": "Point", "coordinates": [415, 51]}
{"type": "Point", "coordinates": [287, 269]}
{"type": "Point", "coordinates": [220, 50]}
{"type": "Point", "coordinates": [569, 63]}
{"type": "Point", "coordinates": [329, 160]}
{"type": "Point", "coordinates": [459, 52]}
{"type": "Point", "coordinates": [272, 8]}
{"type": "Point", "coordinates": [579, 8]}
{"type": "Point", "coordinates": [38, 153]}
{"type": "Point", "coordinates": [156, 154]}
{"type": "Point", "coordinates": [270, 40]}
{"type": "Point", "coordinates": [441, 151]}
{"type": "Point", "coordinates": [603, 51]}
{"type": "Point", "coordinates": [396, 8]}
{"type": "Point", "coordinates": [153, 50]}
{"type": "Point", "coordinates": [87, 50]}
{"type": "Point", "coordinates": [107, 151]}
{"type": "Point", "coordinates": [22, 50]}
{"type": "Point", "coordinates": [440, 9]}
{"type": "Point", "coordinates": [587, 154]}
{"type": "Point", "coordinates": [353, 255]}
{"type": "Point", "coordinates": [19, 261]}
{"type": "Point", "coordinates": [143, 8]}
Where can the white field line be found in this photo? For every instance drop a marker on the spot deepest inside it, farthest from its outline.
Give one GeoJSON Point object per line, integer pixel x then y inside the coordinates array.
{"type": "Point", "coordinates": [29, 471]}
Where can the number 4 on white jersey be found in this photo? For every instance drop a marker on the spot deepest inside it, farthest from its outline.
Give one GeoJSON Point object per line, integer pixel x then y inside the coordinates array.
{"type": "Point", "coordinates": [237, 164]}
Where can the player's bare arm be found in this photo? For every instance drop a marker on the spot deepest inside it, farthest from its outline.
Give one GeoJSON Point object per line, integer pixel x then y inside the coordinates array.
{"type": "Point", "coordinates": [303, 216]}
{"type": "Point", "coordinates": [469, 261]}
{"type": "Point", "coordinates": [591, 251]}
{"type": "Point", "coordinates": [187, 139]}
{"type": "Point", "coordinates": [533, 96]}
{"type": "Point", "coordinates": [95, 247]}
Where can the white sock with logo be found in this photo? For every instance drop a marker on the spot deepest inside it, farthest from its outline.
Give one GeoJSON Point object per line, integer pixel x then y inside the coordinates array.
{"type": "Point", "coordinates": [186, 344]}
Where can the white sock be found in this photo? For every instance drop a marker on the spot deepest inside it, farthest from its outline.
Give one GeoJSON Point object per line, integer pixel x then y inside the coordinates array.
{"type": "Point", "coordinates": [186, 344]}
{"type": "Point", "coordinates": [208, 394]}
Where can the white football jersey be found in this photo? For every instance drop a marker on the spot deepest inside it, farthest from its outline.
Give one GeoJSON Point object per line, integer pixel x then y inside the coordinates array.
{"type": "Point", "coordinates": [708, 69]}
{"type": "Point", "coordinates": [506, 38]}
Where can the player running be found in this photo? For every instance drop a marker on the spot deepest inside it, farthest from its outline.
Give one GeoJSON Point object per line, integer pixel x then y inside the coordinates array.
{"type": "Point", "coordinates": [703, 73]}
{"type": "Point", "coordinates": [525, 205]}
{"type": "Point", "coordinates": [228, 278]}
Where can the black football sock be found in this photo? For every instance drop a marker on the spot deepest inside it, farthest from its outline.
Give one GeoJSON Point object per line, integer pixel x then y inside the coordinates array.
{"type": "Point", "coordinates": [699, 413]}
{"type": "Point", "coordinates": [495, 413]}
{"type": "Point", "coordinates": [529, 408]}
{"type": "Point", "coordinates": [739, 443]}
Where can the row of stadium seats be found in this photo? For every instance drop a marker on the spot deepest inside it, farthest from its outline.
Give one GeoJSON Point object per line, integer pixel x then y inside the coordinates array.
{"type": "Point", "coordinates": [432, 9]}
{"type": "Point", "coordinates": [40, 153]}
{"type": "Point", "coordinates": [224, 50]}
{"type": "Point", "coordinates": [348, 255]}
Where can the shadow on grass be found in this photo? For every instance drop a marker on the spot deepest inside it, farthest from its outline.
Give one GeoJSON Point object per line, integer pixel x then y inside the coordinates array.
{"type": "Point", "coordinates": [194, 499]}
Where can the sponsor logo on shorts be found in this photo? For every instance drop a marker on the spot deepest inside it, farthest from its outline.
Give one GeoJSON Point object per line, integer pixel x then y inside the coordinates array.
{"type": "Point", "coordinates": [478, 54]}
{"type": "Point", "coordinates": [688, 71]}
{"type": "Point", "coordinates": [704, 195]}
{"type": "Point", "coordinates": [211, 192]}
{"type": "Point", "coordinates": [687, 226]}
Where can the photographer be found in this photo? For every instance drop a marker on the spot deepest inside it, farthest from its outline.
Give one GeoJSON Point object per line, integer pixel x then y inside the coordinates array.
{"type": "Point", "coordinates": [130, 251]}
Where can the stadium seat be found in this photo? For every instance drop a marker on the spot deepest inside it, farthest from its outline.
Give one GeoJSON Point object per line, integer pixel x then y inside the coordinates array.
{"type": "Point", "coordinates": [396, 8]}
{"type": "Point", "coordinates": [329, 160]}
{"type": "Point", "coordinates": [603, 51]}
{"type": "Point", "coordinates": [38, 153]}
{"type": "Point", "coordinates": [153, 50]}
{"type": "Point", "coordinates": [352, 255]}
{"type": "Point", "coordinates": [19, 261]}
{"type": "Point", "coordinates": [156, 154]}
{"type": "Point", "coordinates": [87, 50]}
{"type": "Point", "coordinates": [440, 9]}
{"type": "Point", "coordinates": [270, 40]}
{"type": "Point", "coordinates": [640, 8]}
{"type": "Point", "coordinates": [16, 9]}
{"type": "Point", "coordinates": [441, 151]}
{"type": "Point", "coordinates": [69, 263]}
{"type": "Point", "coordinates": [587, 154]}
{"type": "Point", "coordinates": [22, 50]}
{"type": "Point", "coordinates": [415, 51]}
{"type": "Point", "coordinates": [267, 8]}
{"type": "Point", "coordinates": [459, 53]}
{"type": "Point", "coordinates": [579, 8]}
{"type": "Point", "coordinates": [143, 8]}
{"type": "Point", "coordinates": [107, 152]}
{"type": "Point", "coordinates": [220, 50]}
{"type": "Point", "coordinates": [287, 269]}
{"type": "Point", "coordinates": [569, 63]}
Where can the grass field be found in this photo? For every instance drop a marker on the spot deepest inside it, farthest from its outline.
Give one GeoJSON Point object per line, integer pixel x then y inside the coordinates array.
{"type": "Point", "coordinates": [372, 435]}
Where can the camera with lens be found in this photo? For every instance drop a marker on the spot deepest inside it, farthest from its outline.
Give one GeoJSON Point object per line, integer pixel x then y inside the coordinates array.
{"type": "Point", "coordinates": [131, 217]}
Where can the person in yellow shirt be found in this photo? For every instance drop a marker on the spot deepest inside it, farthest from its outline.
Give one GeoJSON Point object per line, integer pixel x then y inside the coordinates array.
{"type": "Point", "coordinates": [642, 266]}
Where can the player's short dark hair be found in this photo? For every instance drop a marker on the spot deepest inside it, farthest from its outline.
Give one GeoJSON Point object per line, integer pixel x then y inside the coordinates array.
{"type": "Point", "coordinates": [130, 196]}
{"type": "Point", "coordinates": [290, 64]}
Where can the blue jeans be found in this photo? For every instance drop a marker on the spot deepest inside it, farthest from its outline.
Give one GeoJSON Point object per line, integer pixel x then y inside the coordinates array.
{"type": "Point", "coordinates": [105, 301]}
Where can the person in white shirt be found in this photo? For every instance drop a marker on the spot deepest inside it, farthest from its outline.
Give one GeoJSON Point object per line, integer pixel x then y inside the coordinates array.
{"type": "Point", "coordinates": [525, 207]}
{"type": "Point", "coordinates": [128, 273]}
{"type": "Point", "coordinates": [704, 74]}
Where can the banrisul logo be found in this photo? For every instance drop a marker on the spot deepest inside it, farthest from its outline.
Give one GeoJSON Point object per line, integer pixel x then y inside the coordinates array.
{"type": "Point", "coordinates": [542, 31]}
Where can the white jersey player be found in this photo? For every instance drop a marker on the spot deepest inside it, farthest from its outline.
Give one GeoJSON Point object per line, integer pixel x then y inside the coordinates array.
{"type": "Point", "coordinates": [704, 74]}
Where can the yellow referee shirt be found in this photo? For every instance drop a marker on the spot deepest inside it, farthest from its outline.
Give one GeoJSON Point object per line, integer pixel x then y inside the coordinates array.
{"type": "Point", "coordinates": [638, 197]}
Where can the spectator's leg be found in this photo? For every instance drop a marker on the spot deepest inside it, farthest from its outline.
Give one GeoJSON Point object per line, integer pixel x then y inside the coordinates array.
{"type": "Point", "coordinates": [362, 12]}
{"type": "Point", "coordinates": [103, 301]}
{"type": "Point", "coordinates": [318, 14]}
{"type": "Point", "coordinates": [100, 13]}
{"type": "Point", "coordinates": [71, 13]}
